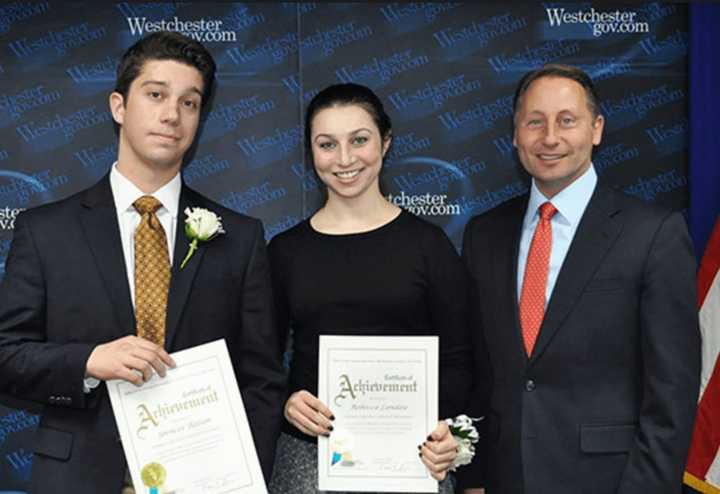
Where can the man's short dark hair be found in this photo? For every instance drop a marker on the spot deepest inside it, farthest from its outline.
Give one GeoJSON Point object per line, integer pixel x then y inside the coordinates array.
{"type": "Point", "coordinates": [165, 45]}
{"type": "Point", "coordinates": [566, 72]}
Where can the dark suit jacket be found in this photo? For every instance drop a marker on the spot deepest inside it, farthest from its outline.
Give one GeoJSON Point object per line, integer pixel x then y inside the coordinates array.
{"type": "Point", "coordinates": [605, 404]}
{"type": "Point", "coordinates": [66, 291]}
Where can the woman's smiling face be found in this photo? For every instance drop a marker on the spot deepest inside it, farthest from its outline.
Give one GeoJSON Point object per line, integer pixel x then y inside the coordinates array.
{"type": "Point", "coordinates": [347, 150]}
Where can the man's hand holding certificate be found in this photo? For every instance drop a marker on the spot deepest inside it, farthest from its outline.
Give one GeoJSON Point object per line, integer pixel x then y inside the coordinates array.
{"type": "Point", "coordinates": [188, 432]}
{"type": "Point", "coordinates": [383, 392]}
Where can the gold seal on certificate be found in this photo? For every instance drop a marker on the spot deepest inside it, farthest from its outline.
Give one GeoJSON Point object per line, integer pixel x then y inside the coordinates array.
{"type": "Point", "coordinates": [153, 475]}
{"type": "Point", "coordinates": [383, 392]}
{"type": "Point", "coordinates": [188, 433]}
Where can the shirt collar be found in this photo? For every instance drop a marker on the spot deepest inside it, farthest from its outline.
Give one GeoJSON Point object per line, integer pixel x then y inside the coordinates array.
{"type": "Point", "coordinates": [126, 193]}
{"type": "Point", "coordinates": [569, 202]}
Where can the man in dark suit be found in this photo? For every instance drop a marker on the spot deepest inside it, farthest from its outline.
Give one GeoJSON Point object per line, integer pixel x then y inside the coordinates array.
{"type": "Point", "coordinates": [586, 333]}
{"type": "Point", "coordinates": [77, 306]}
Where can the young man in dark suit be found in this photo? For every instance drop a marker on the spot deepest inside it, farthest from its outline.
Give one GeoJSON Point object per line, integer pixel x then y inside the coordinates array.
{"type": "Point", "coordinates": [586, 333]}
{"type": "Point", "coordinates": [78, 307]}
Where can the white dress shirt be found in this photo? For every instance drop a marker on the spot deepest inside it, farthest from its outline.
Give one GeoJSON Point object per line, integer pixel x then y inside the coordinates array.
{"type": "Point", "coordinates": [570, 204]}
{"type": "Point", "coordinates": [125, 193]}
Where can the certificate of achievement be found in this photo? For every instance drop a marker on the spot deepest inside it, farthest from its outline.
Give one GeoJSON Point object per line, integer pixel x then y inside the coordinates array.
{"type": "Point", "coordinates": [187, 433]}
{"type": "Point", "coordinates": [383, 392]}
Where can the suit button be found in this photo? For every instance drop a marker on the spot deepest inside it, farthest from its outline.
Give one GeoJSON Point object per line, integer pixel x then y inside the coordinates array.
{"type": "Point", "coordinates": [529, 385]}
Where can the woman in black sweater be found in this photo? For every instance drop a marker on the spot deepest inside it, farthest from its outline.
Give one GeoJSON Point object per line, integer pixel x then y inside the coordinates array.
{"type": "Point", "coordinates": [362, 266]}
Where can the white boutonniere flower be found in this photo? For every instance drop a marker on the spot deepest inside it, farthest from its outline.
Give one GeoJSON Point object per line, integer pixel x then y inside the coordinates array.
{"type": "Point", "coordinates": [465, 433]}
{"type": "Point", "coordinates": [201, 225]}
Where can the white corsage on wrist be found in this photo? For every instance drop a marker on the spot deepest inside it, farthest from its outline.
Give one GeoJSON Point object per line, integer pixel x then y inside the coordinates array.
{"type": "Point", "coordinates": [466, 435]}
{"type": "Point", "coordinates": [201, 225]}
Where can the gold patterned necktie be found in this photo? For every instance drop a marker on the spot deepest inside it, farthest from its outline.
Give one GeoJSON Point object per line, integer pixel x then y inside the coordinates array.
{"type": "Point", "coordinates": [152, 272]}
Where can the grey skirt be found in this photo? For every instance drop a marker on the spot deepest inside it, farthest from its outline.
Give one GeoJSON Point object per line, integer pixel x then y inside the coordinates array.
{"type": "Point", "coordinates": [295, 470]}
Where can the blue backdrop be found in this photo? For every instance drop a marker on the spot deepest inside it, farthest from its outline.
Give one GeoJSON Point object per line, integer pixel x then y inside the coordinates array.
{"type": "Point", "coordinates": [446, 72]}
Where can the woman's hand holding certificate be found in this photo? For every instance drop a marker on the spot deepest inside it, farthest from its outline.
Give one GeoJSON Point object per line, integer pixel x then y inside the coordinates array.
{"type": "Point", "coordinates": [439, 451]}
{"type": "Point", "coordinates": [308, 414]}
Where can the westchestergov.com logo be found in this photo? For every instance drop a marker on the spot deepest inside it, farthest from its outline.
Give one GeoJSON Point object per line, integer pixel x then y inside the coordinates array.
{"type": "Point", "coordinates": [610, 22]}
{"type": "Point", "coordinates": [425, 204]}
{"type": "Point", "coordinates": [203, 30]}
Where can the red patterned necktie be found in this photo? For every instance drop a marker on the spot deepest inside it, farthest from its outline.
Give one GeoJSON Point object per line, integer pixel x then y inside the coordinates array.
{"type": "Point", "coordinates": [152, 272]}
{"type": "Point", "coordinates": [532, 297]}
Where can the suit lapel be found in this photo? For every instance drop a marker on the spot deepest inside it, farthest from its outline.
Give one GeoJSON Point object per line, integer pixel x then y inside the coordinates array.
{"type": "Point", "coordinates": [181, 279]}
{"type": "Point", "coordinates": [596, 233]}
{"type": "Point", "coordinates": [100, 225]}
{"type": "Point", "coordinates": [506, 245]}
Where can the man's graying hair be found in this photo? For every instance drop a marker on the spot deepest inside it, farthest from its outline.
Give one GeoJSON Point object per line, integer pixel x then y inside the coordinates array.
{"type": "Point", "coordinates": [566, 72]}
